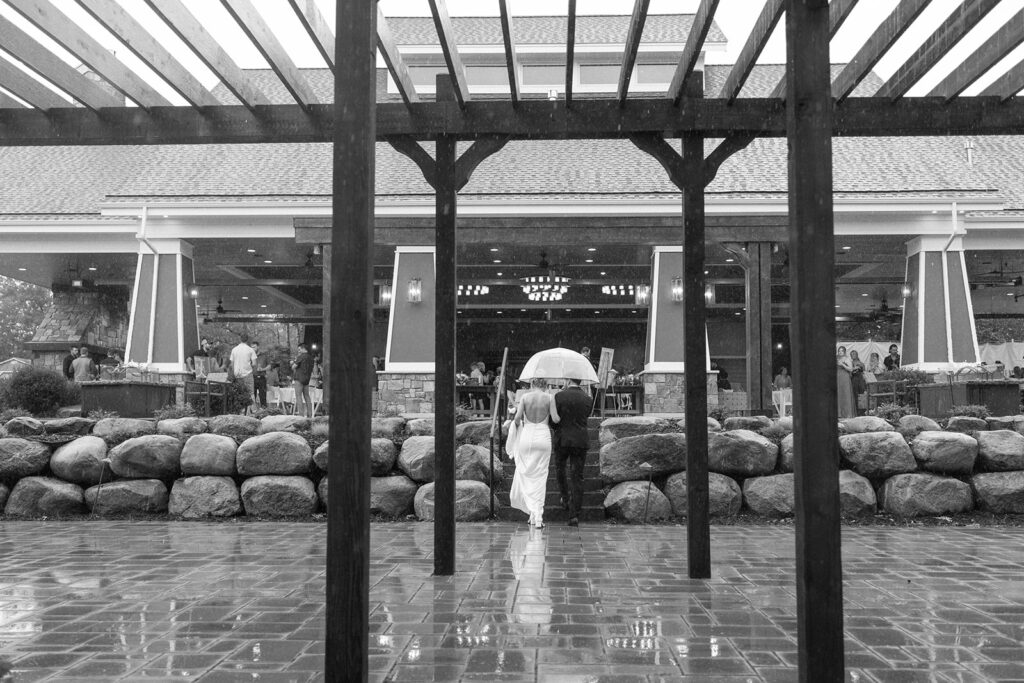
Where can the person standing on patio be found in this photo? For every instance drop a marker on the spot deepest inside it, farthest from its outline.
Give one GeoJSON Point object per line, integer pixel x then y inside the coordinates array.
{"type": "Point", "coordinates": [572, 441]}
{"type": "Point", "coordinates": [844, 384]}
{"type": "Point", "coordinates": [68, 360]}
{"type": "Point", "coordinates": [533, 451]}
{"type": "Point", "coordinates": [83, 369]}
{"type": "Point", "coordinates": [243, 363]}
{"type": "Point", "coordinates": [259, 376]}
{"type": "Point", "coordinates": [302, 371]}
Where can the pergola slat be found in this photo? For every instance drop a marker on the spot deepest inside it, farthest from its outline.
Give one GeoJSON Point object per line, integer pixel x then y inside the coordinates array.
{"type": "Point", "coordinates": [1007, 85]}
{"type": "Point", "coordinates": [887, 33]}
{"type": "Point", "coordinates": [965, 17]}
{"type": "Point", "coordinates": [756, 41]}
{"type": "Point", "coordinates": [636, 30]}
{"type": "Point", "coordinates": [393, 58]}
{"type": "Point", "coordinates": [75, 40]}
{"type": "Point", "coordinates": [115, 19]}
{"type": "Point", "coordinates": [263, 38]}
{"type": "Point", "coordinates": [691, 51]}
{"type": "Point", "coordinates": [184, 24]}
{"type": "Point", "coordinates": [999, 44]}
{"type": "Point", "coordinates": [511, 59]}
{"type": "Point", "coordinates": [570, 51]}
{"type": "Point", "coordinates": [446, 35]}
{"type": "Point", "coordinates": [6, 101]}
{"type": "Point", "coordinates": [54, 69]}
{"type": "Point", "coordinates": [29, 89]}
{"type": "Point", "coordinates": [838, 13]}
{"type": "Point", "coordinates": [316, 26]}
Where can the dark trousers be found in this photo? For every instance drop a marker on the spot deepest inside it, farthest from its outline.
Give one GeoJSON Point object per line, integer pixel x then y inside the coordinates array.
{"type": "Point", "coordinates": [571, 486]}
{"type": "Point", "coordinates": [260, 387]}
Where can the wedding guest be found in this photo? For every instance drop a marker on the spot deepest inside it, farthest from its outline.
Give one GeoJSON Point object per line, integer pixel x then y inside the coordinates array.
{"type": "Point", "coordinates": [892, 361]}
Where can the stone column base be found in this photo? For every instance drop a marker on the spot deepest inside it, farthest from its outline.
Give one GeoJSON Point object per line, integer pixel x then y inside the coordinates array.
{"type": "Point", "coordinates": [404, 392]}
{"type": "Point", "coordinates": [665, 392]}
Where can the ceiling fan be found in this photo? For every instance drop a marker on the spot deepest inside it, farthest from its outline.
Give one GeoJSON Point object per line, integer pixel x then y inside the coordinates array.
{"type": "Point", "coordinates": [881, 310]}
{"type": "Point", "coordinates": [220, 310]}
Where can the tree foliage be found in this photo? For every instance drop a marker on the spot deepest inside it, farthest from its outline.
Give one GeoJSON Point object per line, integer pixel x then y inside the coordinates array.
{"type": "Point", "coordinates": [22, 306]}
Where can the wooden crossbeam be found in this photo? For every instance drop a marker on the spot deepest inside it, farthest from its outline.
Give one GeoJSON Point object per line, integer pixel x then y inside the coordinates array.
{"type": "Point", "coordinates": [838, 13]}
{"type": "Point", "coordinates": [636, 29]}
{"type": "Point", "coordinates": [999, 44]}
{"type": "Point", "coordinates": [184, 24]}
{"type": "Point", "coordinates": [691, 51]}
{"type": "Point", "coordinates": [316, 26]}
{"type": "Point", "coordinates": [1007, 85]}
{"type": "Point", "coordinates": [965, 17]}
{"type": "Point", "coordinates": [511, 59]}
{"type": "Point", "coordinates": [6, 101]}
{"type": "Point", "coordinates": [393, 58]}
{"type": "Point", "coordinates": [16, 81]}
{"type": "Point", "coordinates": [570, 51]}
{"type": "Point", "coordinates": [115, 19]}
{"type": "Point", "coordinates": [887, 33]}
{"type": "Point", "coordinates": [54, 69]}
{"type": "Point", "coordinates": [758, 38]}
{"type": "Point", "coordinates": [78, 42]}
{"type": "Point", "coordinates": [265, 41]}
{"type": "Point", "coordinates": [446, 36]}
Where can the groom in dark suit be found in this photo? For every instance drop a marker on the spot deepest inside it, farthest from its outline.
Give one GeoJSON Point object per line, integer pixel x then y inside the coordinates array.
{"type": "Point", "coordinates": [571, 444]}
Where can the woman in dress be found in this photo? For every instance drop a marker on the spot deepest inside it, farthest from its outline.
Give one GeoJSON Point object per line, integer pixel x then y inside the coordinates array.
{"type": "Point", "coordinates": [534, 417]}
{"type": "Point", "coordinates": [844, 384]}
{"type": "Point", "coordinates": [859, 384]}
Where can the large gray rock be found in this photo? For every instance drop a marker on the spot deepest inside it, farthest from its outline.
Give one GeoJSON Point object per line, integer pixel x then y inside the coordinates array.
{"type": "Point", "coordinates": [392, 496]}
{"type": "Point", "coordinates": [680, 425]}
{"type": "Point", "coordinates": [865, 424]}
{"type": "Point", "coordinates": [44, 497]}
{"type": "Point", "coordinates": [785, 424]}
{"type": "Point", "coordinates": [472, 501]}
{"type": "Point", "coordinates": [322, 455]}
{"type": "Point", "coordinates": [278, 496]}
{"type": "Point", "coordinates": [83, 462]}
{"type": "Point", "coordinates": [1014, 423]}
{"type": "Point", "coordinates": [181, 427]}
{"type": "Point", "coordinates": [387, 427]}
{"type": "Point", "coordinates": [630, 500]}
{"type": "Point", "coordinates": [283, 423]}
{"type": "Point", "coordinates": [945, 452]}
{"type": "Point", "coordinates": [621, 459]}
{"type": "Point", "coordinates": [724, 495]}
{"type": "Point", "coordinates": [416, 458]}
{"type": "Point", "coordinates": [421, 426]}
{"type": "Point", "coordinates": [786, 453]}
{"type": "Point", "coordinates": [475, 432]}
{"type": "Point", "coordinates": [322, 493]}
{"type": "Point", "coordinates": [912, 495]}
{"type": "Point", "coordinates": [4, 494]}
{"type": "Point", "coordinates": [877, 455]}
{"type": "Point", "coordinates": [912, 425]}
{"type": "Point", "coordinates": [156, 456]}
{"type": "Point", "coordinates": [856, 495]}
{"type": "Point", "coordinates": [24, 426]}
{"type": "Point", "coordinates": [1000, 451]}
{"type": "Point", "coordinates": [614, 428]}
{"type": "Point", "coordinates": [1000, 492]}
{"type": "Point", "coordinates": [770, 496]}
{"type": "Point", "coordinates": [965, 424]}
{"type": "Point", "coordinates": [474, 462]}
{"type": "Point", "coordinates": [275, 453]}
{"type": "Point", "coordinates": [209, 454]}
{"type": "Point", "coordinates": [76, 426]}
{"type": "Point", "coordinates": [752, 423]}
{"type": "Point", "coordinates": [234, 425]}
{"type": "Point", "coordinates": [125, 497]}
{"type": "Point", "coordinates": [741, 453]}
{"type": "Point", "coordinates": [199, 497]}
{"type": "Point", "coordinates": [383, 454]}
{"type": "Point", "coordinates": [21, 458]}
{"type": "Point", "coordinates": [117, 429]}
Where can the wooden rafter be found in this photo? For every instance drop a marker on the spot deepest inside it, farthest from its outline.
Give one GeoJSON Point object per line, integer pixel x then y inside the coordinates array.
{"type": "Point", "coordinates": [511, 59]}
{"type": "Point", "coordinates": [115, 19]}
{"type": "Point", "coordinates": [691, 52]}
{"type": "Point", "coordinates": [838, 13]}
{"type": "Point", "coordinates": [965, 17]}
{"type": "Point", "coordinates": [54, 69]}
{"type": "Point", "coordinates": [393, 58]}
{"type": "Point", "coordinates": [570, 51]}
{"type": "Point", "coordinates": [265, 41]}
{"type": "Point", "coordinates": [999, 44]}
{"type": "Point", "coordinates": [9, 102]}
{"type": "Point", "coordinates": [1007, 85]}
{"type": "Point", "coordinates": [316, 26]}
{"type": "Point", "coordinates": [78, 42]}
{"type": "Point", "coordinates": [887, 33]}
{"type": "Point", "coordinates": [27, 88]}
{"type": "Point", "coordinates": [756, 41]}
{"type": "Point", "coordinates": [636, 29]}
{"type": "Point", "coordinates": [446, 35]}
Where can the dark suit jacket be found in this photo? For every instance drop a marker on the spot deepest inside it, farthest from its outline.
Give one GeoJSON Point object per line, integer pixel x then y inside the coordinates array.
{"type": "Point", "coordinates": [574, 408]}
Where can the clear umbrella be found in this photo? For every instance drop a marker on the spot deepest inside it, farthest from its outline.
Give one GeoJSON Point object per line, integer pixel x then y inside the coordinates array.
{"type": "Point", "coordinates": [559, 364]}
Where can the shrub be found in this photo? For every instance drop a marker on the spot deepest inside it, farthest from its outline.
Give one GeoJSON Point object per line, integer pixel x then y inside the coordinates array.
{"type": "Point", "coordinates": [261, 413]}
{"type": "Point", "coordinates": [37, 390]}
{"type": "Point", "coordinates": [9, 414]}
{"type": "Point", "coordinates": [892, 412]}
{"type": "Point", "coordinates": [72, 394]}
{"type": "Point", "coordinates": [173, 412]}
{"type": "Point", "coordinates": [774, 433]}
{"type": "Point", "coordinates": [101, 414]}
{"type": "Point", "coordinates": [238, 397]}
{"type": "Point", "coordinates": [911, 377]}
{"type": "Point", "coordinates": [719, 413]}
{"type": "Point", "coordinates": [980, 412]}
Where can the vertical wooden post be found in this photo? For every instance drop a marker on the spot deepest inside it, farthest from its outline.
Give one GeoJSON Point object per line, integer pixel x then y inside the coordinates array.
{"type": "Point", "coordinates": [351, 305]}
{"type": "Point", "coordinates": [759, 324]}
{"type": "Point", "coordinates": [819, 586]}
{"type": "Point", "coordinates": [325, 315]}
{"type": "Point", "coordinates": [444, 346]}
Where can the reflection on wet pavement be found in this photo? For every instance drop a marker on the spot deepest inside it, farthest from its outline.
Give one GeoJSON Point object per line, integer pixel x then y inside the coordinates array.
{"type": "Point", "coordinates": [147, 601]}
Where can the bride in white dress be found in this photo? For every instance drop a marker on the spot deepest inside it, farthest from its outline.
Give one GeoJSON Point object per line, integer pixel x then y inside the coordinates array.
{"type": "Point", "coordinates": [533, 451]}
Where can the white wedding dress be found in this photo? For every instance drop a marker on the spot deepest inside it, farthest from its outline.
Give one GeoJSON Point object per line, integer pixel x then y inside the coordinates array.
{"type": "Point", "coordinates": [530, 483]}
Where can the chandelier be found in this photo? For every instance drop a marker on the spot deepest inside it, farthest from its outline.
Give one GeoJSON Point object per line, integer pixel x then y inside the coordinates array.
{"type": "Point", "coordinates": [548, 287]}
{"type": "Point", "coordinates": [618, 290]}
{"type": "Point", "coordinates": [473, 290]}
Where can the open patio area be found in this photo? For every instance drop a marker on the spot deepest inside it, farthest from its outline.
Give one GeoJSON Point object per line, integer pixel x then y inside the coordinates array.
{"type": "Point", "coordinates": [244, 602]}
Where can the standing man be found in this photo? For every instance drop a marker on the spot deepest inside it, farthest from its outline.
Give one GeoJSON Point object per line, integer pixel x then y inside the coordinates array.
{"type": "Point", "coordinates": [243, 362]}
{"type": "Point", "coordinates": [82, 368]}
{"type": "Point", "coordinates": [259, 375]}
{"type": "Point", "coordinates": [571, 444]}
{"type": "Point", "coordinates": [892, 361]}
{"type": "Point", "coordinates": [68, 360]}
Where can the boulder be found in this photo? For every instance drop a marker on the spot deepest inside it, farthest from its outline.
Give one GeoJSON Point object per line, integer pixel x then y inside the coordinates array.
{"type": "Point", "coordinates": [387, 427]}
{"type": "Point", "coordinates": [856, 495]}
{"type": "Point", "coordinates": [614, 428]}
{"type": "Point", "coordinates": [1000, 492]}
{"type": "Point", "coordinates": [416, 458]}
{"type": "Point", "coordinates": [741, 453]}
{"type": "Point", "coordinates": [770, 496]}
{"type": "Point", "coordinates": [83, 462]}
{"type": "Point", "coordinates": [155, 456]}
{"type": "Point", "coordinates": [751, 423]}
{"type": "Point", "coordinates": [785, 423]}
{"type": "Point", "coordinates": [637, 502]}
{"type": "Point", "coordinates": [383, 454]}
{"type": "Point", "coordinates": [1015, 423]}
{"type": "Point", "coordinates": [234, 425]}
{"type": "Point", "coordinates": [274, 453]}
{"type": "Point", "coordinates": [117, 429]}
{"type": "Point", "coordinates": [181, 427]}
{"type": "Point", "coordinates": [786, 454]}
{"type": "Point", "coordinates": [4, 494]}
{"type": "Point", "coordinates": [865, 424]}
{"type": "Point", "coordinates": [912, 425]}
{"type": "Point", "coordinates": [321, 491]}
{"type": "Point", "coordinates": [474, 462]}
{"type": "Point", "coordinates": [962, 423]}
{"type": "Point", "coordinates": [680, 425]}
{"type": "Point", "coordinates": [945, 452]}
{"type": "Point", "coordinates": [912, 495]}
{"type": "Point", "coordinates": [621, 459]}
{"type": "Point", "coordinates": [877, 455]}
{"type": "Point", "coordinates": [198, 497]}
{"type": "Point", "coordinates": [283, 423]}
{"type": "Point", "coordinates": [322, 454]}
{"type": "Point", "coordinates": [209, 454]}
{"type": "Point", "coordinates": [78, 426]}
{"type": "Point", "coordinates": [421, 426]}
{"type": "Point", "coordinates": [125, 497]}
{"type": "Point", "coordinates": [392, 496]}
{"type": "Point", "coordinates": [21, 458]}
{"type": "Point", "coordinates": [475, 432]}
{"type": "Point", "coordinates": [472, 501]}
{"type": "Point", "coordinates": [724, 495]}
{"type": "Point", "coordinates": [1000, 451]}
{"type": "Point", "coordinates": [278, 496]}
{"type": "Point", "coordinates": [24, 426]}
{"type": "Point", "coordinates": [44, 496]}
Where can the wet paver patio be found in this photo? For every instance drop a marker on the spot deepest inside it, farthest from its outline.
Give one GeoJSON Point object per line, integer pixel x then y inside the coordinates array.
{"type": "Point", "coordinates": [225, 602]}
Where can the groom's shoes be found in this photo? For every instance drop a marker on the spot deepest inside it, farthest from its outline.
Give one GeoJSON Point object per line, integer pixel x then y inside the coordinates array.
{"type": "Point", "coordinates": [574, 521]}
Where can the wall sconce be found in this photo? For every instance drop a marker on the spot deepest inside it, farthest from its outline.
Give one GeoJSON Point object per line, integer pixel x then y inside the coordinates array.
{"type": "Point", "coordinates": [709, 293]}
{"type": "Point", "coordinates": [907, 291]}
{"type": "Point", "coordinates": [77, 283]}
{"type": "Point", "coordinates": [643, 295]}
{"type": "Point", "coordinates": [677, 289]}
{"type": "Point", "coordinates": [193, 292]}
{"type": "Point", "coordinates": [415, 290]}
{"type": "Point", "coordinates": [385, 295]}
{"type": "Point", "coordinates": [552, 94]}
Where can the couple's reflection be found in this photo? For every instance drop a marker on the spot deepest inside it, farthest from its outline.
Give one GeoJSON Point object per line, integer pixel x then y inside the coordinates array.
{"type": "Point", "coordinates": [527, 554]}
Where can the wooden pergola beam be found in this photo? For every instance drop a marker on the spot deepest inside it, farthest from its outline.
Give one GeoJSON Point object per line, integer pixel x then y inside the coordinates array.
{"type": "Point", "coordinates": [8, 101]}
{"type": "Point", "coordinates": [838, 13]}
{"type": "Point", "coordinates": [691, 51]}
{"type": "Point", "coordinates": [758, 38]}
{"type": "Point", "coordinates": [393, 58]}
{"type": "Point", "coordinates": [511, 58]}
{"type": "Point", "coordinates": [449, 48]}
{"type": "Point", "coordinates": [636, 30]}
{"type": "Point", "coordinates": [999, 44]}
{"type": "Point", "coordinates": [1007, 85]}
{"type": "Point", "coordinates": [570, 51]}
{"type": "Point", "coordinates": [16, 81]}
{"type": "Point", "coordinates": [316, 27]}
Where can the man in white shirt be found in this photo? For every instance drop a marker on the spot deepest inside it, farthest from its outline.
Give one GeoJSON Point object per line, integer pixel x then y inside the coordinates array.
{"type": "Point", "coordinates": [243, 362]}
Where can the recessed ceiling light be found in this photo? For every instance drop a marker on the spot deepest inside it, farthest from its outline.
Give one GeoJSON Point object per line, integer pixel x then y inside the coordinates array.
{"type": "Point", "coordinates": [263, 305]}
{"type": "Point", "coordinates": [500, 312]}
{"type": "Point", "coordinates": [1009, 294]}
{"type": "Point", "coordinates": [494, 249]}
{"type": "Point", "coordinates": [522, 310]}
{"type": "Point", "coordinates": [729, 260]}
{"type": "Point", "coordinates": [864, 294]}
{"type": "Point", "coordinates": [500, 274]}
{"type": "Point", "coordinates": [23, 269]}
{"type": "Point", "coordinates": [245, 298]}
{"type": "Point", "coordinates": [597, 312]}
{"type": "Point", "coordinates": [603, 273]}
{"type": "Point", "coordinates": [92, 268]}
{"type": "Point", "coordinates": [632, 311]}
{"type": "Point", "coordinates": [568, 309]}
{"type": "Point", "coordinates": [266, 260]}
{"type": "Point", "coordinates": [591, 248]}
{"type": "Point", "coordinates": [497, 260]}
{"type": "Point", "coordinates": [590, 260]}
{"type": "Point", "coordinates": [847, 248]}
{"type": "Point", "coordinates": [251, 251]}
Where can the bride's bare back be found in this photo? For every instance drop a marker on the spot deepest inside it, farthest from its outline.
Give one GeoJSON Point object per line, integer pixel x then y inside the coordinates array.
{"type": "Point", "coordinates": [537, 407]}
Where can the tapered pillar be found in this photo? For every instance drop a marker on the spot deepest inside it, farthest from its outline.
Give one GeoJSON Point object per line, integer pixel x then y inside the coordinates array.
{"type": "Point", "coordinates": [410, 342]}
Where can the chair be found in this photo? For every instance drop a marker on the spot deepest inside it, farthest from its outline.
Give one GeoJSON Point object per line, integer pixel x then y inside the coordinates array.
{"type": "Point", "coordinates": [625, 401]}
{"type": "Point", "coordinates": [317, 397]}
